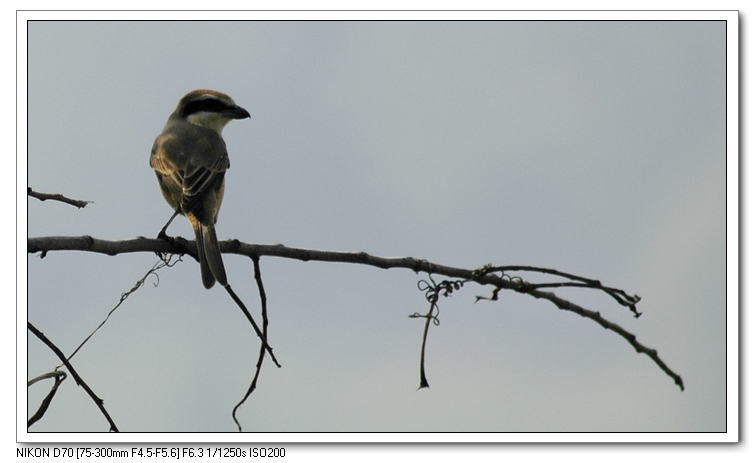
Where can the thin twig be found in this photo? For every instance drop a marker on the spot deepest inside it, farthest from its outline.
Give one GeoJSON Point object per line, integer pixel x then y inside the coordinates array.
{"type": "Point", "coordinates": [261, 355]}
{"type": "Point", "coordinates": [59, 377]}
{"type": "Point", "coordinates": [254, 324]}
{"type": "Point", "coordinates": [617, 294]}
{"type": "Point", "coordinates": [596, 317]}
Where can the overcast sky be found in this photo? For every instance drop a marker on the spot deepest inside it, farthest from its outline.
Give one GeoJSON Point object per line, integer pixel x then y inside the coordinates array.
{"type": "Point", "coordinates": [595, 148]}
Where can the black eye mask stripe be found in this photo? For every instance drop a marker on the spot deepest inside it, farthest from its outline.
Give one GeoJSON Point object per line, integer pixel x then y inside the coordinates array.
{"type": "Point", "coordinates": [208, 104]}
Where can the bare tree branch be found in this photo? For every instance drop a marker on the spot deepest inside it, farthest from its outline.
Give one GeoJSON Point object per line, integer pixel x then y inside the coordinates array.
{"type": "Point", "coordinates": [73, 372]}
{"type": "Point", "coordinates": [486, 275]}
{"type": "Point", "coordinates": [56, 197]}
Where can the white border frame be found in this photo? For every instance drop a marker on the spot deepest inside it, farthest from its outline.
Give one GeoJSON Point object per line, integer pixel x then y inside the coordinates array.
{"type": "Point", "coordinates": [732, 233]}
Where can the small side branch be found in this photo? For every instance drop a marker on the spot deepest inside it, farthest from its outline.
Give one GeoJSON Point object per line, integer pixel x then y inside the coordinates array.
{"type": "Point", "coordinates": [596, 317]}
{"type": "Point", "coordinates": [257, 330]}
{"type": "Point", "coordinates": [618, 295]}
{"type": "Point", "coordinates": [56, 197]}
{"type": "Point", "coordinates": [261, 355]}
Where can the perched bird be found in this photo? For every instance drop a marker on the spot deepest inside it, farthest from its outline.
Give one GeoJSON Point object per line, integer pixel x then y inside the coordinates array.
{"type": "Point", "coordinates": [190, 160]}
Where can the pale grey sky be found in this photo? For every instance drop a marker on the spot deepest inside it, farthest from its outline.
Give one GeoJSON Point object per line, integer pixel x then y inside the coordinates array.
{"type": "Point", "coordinates": [597, 148]}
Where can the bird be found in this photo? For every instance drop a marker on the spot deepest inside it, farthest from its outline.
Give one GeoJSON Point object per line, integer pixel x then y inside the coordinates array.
{"type": "Point", "coordinates": [190, 159]}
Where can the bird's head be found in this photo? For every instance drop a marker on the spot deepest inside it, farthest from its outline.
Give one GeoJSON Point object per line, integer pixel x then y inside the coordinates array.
{"type": "Point", "coordinates": [208, 108]}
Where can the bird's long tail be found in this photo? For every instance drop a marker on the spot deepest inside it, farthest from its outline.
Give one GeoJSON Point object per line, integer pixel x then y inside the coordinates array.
{"type": "Point", "coordinates": [210, 260]}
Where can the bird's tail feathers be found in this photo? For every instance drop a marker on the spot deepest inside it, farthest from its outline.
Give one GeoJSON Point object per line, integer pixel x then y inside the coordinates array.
{"type": "Point", "coordinates": [212, 255]}
{"type": "Point", "coordinates": [208, 280]}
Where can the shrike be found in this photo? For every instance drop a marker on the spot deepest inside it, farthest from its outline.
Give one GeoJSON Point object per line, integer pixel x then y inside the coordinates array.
{"type": "Point", "coordinates": [190, 160]}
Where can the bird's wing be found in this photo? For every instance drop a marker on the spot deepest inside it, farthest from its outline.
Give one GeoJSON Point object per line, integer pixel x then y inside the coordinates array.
{"type": "Point", "coordinates": [190, 166]}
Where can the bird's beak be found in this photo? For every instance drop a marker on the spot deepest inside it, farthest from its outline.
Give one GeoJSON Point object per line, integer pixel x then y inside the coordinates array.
{"type": "Point", "coordinates": [236, 112]}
